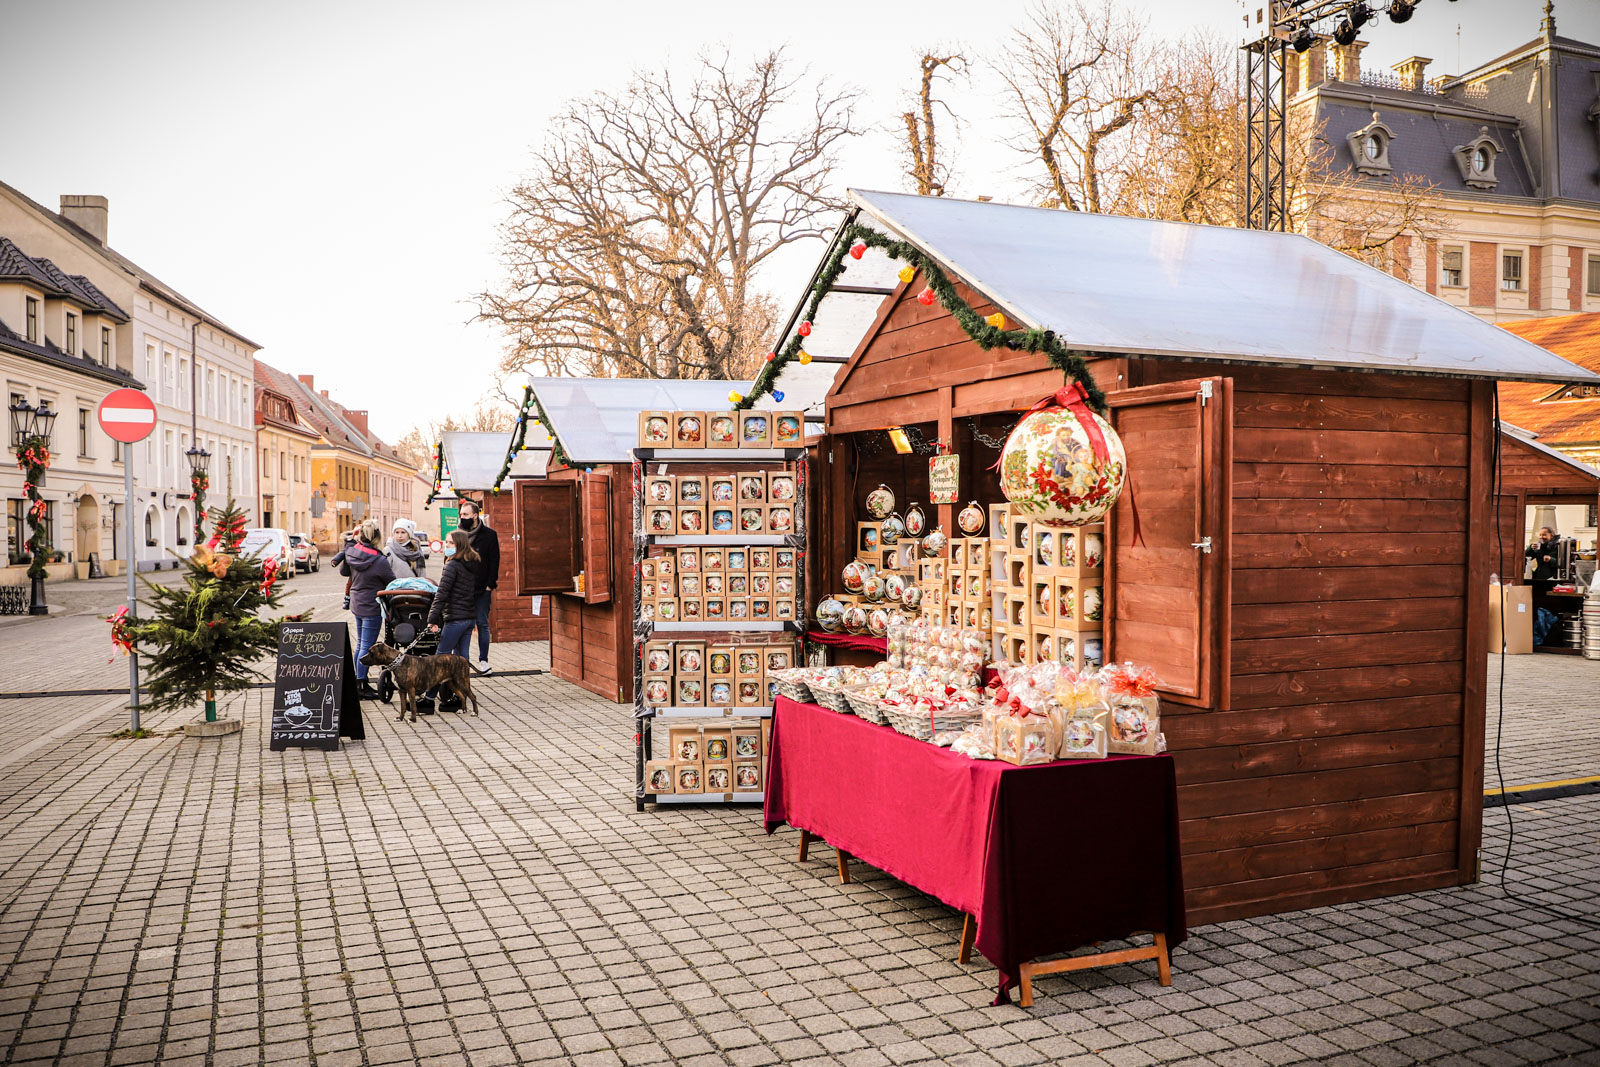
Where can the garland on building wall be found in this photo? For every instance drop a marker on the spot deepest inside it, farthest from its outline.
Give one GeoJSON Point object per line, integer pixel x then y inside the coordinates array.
{"type": "Point", "coordinates": [986, 333]}
{"type": "Point", "coordinates": [199, 482]}
{"type": "Point", "coordinates": [33, 459]}
{"type": "Point", "coordinates": [530, 406]}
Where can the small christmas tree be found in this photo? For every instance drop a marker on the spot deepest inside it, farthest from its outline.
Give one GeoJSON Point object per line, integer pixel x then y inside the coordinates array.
{"type": "Point", "coordinates": [205, 635]}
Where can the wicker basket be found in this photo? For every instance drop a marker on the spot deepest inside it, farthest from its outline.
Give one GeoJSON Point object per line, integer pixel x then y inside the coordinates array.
{"type": "Point", "coordinates": [832, 699]}
{"type": "Point", "coordinates": [864, 706]}
{"type": "Point", "coordinates": [919, 726]}
{"type": "Point", "coordinates": [795, 690]}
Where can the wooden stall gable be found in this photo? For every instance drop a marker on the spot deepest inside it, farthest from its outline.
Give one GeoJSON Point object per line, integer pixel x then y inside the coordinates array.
{"type": "Point", "coordinates": [1531, 477]}
{"type": "Point", "coordinates": [1352, 740]}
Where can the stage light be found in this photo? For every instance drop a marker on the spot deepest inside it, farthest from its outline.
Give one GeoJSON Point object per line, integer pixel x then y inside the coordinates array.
{"type": "Point", "coordinates": [1304, 39]}
{"type": "Point", "coordinates": [1345, 33]}
{"type": "Point", "coordinates": [1401, 10]}
{"type": "Point", "coordinates": [897, 437]}
{"type": "Point", "coordinates": [1360, 15]}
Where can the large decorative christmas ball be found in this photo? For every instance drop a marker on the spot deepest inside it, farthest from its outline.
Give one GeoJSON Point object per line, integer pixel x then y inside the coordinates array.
{"type": "Point", "coordinates": [830, 615]}
{"type": "Point", "coordinates": [1050, 473]}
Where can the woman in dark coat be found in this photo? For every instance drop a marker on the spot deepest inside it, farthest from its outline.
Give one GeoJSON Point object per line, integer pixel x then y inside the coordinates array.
{"type": "Point", "coordinates": [455, 604]}
{"type": "Point", "coordinates": [369, 572]}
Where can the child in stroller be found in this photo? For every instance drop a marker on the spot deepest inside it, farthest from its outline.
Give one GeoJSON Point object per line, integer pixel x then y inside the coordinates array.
{"type": "Point", "coordinates": [405, 603]}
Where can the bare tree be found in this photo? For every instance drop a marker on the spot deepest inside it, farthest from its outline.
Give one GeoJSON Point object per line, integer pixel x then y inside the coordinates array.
{"type": "Point", "coordinates": [927, 171]}
{"type": "Point", "coordinates": [418, 443]}
{"type": "Point", "coordinates": [1074, 78]}
{"type": "Point", "coordinates": [632, 249]}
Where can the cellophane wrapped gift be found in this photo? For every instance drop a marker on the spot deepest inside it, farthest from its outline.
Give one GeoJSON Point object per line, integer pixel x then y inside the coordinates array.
{"type": "Point", "coordinates": [1135, 721]}
{"type": "Point", "coordinates": [1023, 738]}
{"type": "Point", "coordinates": [1080, 714]}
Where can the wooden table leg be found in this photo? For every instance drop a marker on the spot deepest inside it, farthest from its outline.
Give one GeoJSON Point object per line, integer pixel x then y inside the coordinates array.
{"type": "Point", "coordinates": [1163, 961]}
{"type": "Point", "coordinates": [1157, 952]}
{"type": "Point", "coordinates": [969, 933]}
{"type": "Point", "coordinates": [844, 866]}
{"type": "Point", "coordinates": [1025, 994]}
{"type": "Point", "coordinates": [805, 844]}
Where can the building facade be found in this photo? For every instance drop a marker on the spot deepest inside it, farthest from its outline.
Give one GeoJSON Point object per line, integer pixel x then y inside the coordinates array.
{"type": "Point", "coordinates": [283, 465]}
{"type": "Point", "coordinates": [199, 372]}
{"type": "Point", "coordinates": [63, 344]}
{"type": "Point", "coordinates": [1510, 149]}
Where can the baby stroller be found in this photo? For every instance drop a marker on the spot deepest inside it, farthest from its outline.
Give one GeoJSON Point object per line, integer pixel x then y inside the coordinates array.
{"type": "Point", "coordinates": [405, 605]}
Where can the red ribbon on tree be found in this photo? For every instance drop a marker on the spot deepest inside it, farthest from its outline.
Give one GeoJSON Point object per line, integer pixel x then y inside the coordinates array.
{"type": "Point", "coordinates": [119, 631]}
{"type": "Point", "coordinates": [269, 572]}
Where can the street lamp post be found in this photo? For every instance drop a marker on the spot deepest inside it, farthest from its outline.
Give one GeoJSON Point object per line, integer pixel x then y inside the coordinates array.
{"type": "Point", "coordinates": [199, 481]}
{"type": "Point", "coordinates": [30, 439]}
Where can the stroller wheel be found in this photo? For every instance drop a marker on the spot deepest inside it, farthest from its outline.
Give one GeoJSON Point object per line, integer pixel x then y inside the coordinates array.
{"type": "Point", "coordinates": [385, 688]}
{"type": "Point", "coordinates": [449, 702]}
{"type": "Point", "coordinates": [425, 705]}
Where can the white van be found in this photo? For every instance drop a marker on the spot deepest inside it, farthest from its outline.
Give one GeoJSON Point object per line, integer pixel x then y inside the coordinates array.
{"type": "Point", "coordinates": [270, 542]}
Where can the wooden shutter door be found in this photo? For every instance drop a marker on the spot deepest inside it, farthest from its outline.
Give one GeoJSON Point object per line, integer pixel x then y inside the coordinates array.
{"type": "Point", "coordinates": [547, 535]}
{"type": "Point", "coordinates": [1168, 596]}
{"type": "Point", "coordinates": [595, 512]}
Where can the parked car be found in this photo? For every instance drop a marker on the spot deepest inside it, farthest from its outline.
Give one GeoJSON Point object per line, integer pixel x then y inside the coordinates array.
{"type": "Point", "coordinates": [269, 542]}
{"type": "Point", "coordinates": [307, 556]}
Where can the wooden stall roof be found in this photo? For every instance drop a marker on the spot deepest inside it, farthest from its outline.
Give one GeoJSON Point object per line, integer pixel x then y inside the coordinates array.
{"type": "Point", "coordinates": [470, 460]}
{"type": "Point", "coordinates": [1112, 284]}
{"type": "Point", "coordinates": [596, 420]}
{"type": "Point", "coordinates": [1566, 416]}
{"type": "Point", "coordinates": [1534, 467]}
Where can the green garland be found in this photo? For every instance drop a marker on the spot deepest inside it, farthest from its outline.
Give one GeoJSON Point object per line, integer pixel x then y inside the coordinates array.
{"type": "Point", "coordinates": [438, 472]}
{"type": "Point", "coordinates": [33, 459]}
{"type": "Point", "coordinates": [1071, 361]}
{"type": "Point", "coordinates": [520, 435]}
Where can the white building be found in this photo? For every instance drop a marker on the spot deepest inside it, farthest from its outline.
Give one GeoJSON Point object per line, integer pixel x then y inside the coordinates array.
{"type": "Point", "coordinates": [199, 372]}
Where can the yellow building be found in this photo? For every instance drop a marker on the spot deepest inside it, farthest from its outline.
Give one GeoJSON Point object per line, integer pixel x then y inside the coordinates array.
{"type": "Point", "coordinates": [284, 471]}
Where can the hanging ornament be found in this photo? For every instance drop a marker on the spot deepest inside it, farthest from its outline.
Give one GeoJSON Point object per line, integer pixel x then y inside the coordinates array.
{"type": "Point", "coordinates": [892, 528]}
{"type": "Point", "coordinates": [1063, 465]}
{"type": "Point", "coordinates": [971, 519]}
{"type": "Point", "coordinates": [771, 356]}
{"type": "Point", "coordinates": [778, 396]}
{"type": "Point", "coordinates": [855, 575]}
{"type": "Point", "coordinates": [997, 320]}
{"type": "Point", "coordinates": [830, 615]}
{"type": "Point", "coordinates": [925, 297]}
{"type": "Point", "coordinates": [805, 358]}
{"type": "Point", "coordinates": [907, 273]}
{"type": "Point", "coordinates": [804, 330]}
{"type": "Point", "coordinates": [916, 521]}
{"type": "Point", "coordinates": [858, 250]}
{"type": "Point", "coordinates": [880, 502]}
{"type": "Point", "coordinates": [735, 397]}
{"type": "Point", "coordinates": [934, 543]}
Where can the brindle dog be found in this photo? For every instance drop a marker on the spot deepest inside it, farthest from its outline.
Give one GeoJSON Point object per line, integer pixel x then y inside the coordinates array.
{"type": "Point", "coordinates": [415, 675]}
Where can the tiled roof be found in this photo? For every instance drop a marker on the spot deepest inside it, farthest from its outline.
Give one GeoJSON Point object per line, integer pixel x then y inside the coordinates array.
{"type": "Point", "coordinates": [309, 406]}
{"type": "Point", "coordinates": [106, 304]}
{"type": "Point", "coordinates": [1544, 409]}
{"type": "Point", "coordinates": [17, 265]}
{"type": "Point", "coordinates": [11, 341]}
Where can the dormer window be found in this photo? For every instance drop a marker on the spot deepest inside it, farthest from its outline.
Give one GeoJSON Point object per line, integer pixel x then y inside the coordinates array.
{"type": "Point", "coordinates": [1477, 159]}
{"type": "Point", "coordinates": [72, 334]}
{"type": "Point", "coordinates": [105, 346]}
{"type": "Point", "coordinates": [1369, 147]}
{"type": "Point", "coordinates": [31, 326]}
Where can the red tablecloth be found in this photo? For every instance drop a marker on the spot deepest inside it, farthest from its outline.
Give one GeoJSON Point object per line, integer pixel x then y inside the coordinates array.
{"type": "Point", "coordinates": [859, 642]}
{"type": "Point", "coordinates": [1045, 858]}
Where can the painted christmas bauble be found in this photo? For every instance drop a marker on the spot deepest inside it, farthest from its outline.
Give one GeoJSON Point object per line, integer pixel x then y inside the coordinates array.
{"type": "Point", "coordinates": [916, 521]}
{"type": "Point", "coordinates": [855, 575]}
{"type": "Point", "coordinates": [892, 528]}
{"type": "Point", "coordinates": [1050, 473]}
{"type": "Point", "coordinates": [873, 588]}
{"type": "Point", "coordinates": [913, 597]}
{"type": "Point", "coordinates": [894, 587]}
{"type": "Point", "coordinates": [1093, 603]}
{"type": "Point", "coordinates": [880, 502]}
{"type": "Point", "coordinates": [878, 622]}
{"type": "Point", "coordinates": [855, 619]}
{"type": "Point", "coordinates": [934, 543]}
{"type": "Point", "coordinates": [830, 615]}
{"type": "Point", "coordinates": [971, 519]}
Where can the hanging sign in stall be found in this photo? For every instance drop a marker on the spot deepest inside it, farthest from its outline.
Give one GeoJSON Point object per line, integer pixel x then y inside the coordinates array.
{"type": "Point", "coordinates": [944, 479]}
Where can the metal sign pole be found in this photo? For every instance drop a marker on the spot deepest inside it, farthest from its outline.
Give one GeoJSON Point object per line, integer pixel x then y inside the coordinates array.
{"type": "Point", "coordinates": [133, 565]}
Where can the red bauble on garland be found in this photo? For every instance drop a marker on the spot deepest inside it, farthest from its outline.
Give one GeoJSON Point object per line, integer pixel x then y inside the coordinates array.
{"type": "Point", "coordinates": [925, 297]}
{"type": "Point", "coordinates": [858, 250]}
{"type": "Point", "coordinates": [805, 329]}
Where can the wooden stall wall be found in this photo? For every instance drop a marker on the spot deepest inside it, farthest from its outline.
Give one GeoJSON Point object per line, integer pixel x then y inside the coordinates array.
{"type": "Point", "coordinates": [1529, 477]}
{"type": "Point", "coordinates": [1348, 762]}
{"type": "Point", "coordinates": [591, 641]}
{"type": "Point", "coordinates": [511, 616]}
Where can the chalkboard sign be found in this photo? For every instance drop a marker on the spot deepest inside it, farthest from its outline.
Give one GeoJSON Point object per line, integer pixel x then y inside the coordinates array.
{"type": "Point", "coordinates": [314, 700]}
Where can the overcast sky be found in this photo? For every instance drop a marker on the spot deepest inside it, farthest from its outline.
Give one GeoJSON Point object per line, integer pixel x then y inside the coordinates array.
{"type": "Point", "coordinates": [325, 176]}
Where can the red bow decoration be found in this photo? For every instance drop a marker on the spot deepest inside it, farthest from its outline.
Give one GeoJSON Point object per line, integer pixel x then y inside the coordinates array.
{"type": "Point", "coordinates": [269, 572]}
{"type": "Point", "coordinates": [1124, 680]}
{"type": "Point", "coordinates": [119, 631]}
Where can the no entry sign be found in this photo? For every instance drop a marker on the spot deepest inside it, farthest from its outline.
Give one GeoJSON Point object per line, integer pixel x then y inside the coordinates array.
{"type": "Point", "coordinates": [127, 415]}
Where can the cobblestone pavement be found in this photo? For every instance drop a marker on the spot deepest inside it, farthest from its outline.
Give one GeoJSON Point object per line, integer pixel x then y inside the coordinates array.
{"type": "Point", "coordinates": [480, 891]}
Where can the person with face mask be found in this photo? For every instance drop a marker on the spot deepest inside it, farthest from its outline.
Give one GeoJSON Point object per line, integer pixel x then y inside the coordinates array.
{"type": "Point", "coordinates": [406, 556]}
{"type": "Point", "coordinates": [486, 544]}
{"type": "Point", "coordinates": [455, 606]}
{"type": "Point", "coordinates": [368, 570]}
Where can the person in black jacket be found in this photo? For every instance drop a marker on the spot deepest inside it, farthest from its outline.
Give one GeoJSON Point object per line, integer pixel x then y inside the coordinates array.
{"type": "Point", "coordinates": [1543, 553]}
{"type": "Point", "coordinates": [368, 570]}
{"type": "Point", "coordinates": [455, 605]}
{"type": "Point", "coordinates": [486, 543]}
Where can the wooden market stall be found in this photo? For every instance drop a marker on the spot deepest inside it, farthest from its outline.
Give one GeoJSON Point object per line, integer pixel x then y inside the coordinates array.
{"type": "Point", "coordinates": [468, 467]}
{"type": "Point", "coordinates": [1309, 445]}
{"type": "Point", "coordinates": [1534, 474]}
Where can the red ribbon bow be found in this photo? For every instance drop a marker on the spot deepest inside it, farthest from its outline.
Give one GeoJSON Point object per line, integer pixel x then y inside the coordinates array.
{"type": "Point", "coordinates": [119, 631]}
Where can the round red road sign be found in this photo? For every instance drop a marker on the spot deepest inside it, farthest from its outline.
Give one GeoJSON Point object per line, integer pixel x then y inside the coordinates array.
{"type": "Point", "coordinates": [436, 546]}
{"type": "Point", "coordinates": [127, 415]}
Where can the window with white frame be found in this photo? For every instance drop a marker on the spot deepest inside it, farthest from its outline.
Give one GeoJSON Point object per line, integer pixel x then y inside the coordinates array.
{"type": "Point", "coordinates": [166, 455]}
{"type": "Point", "coordinates": [105, 346]}
{"type": "Point", "coordinates": [1594, 276]}
{"type": "Point", "coordinates": [71, 347]}
{"type": "Point", "coordinates": [150, 366]}
{"type": "Point", "coordinates": [166, 376]}
{"type": "Point", "coordinates": [183, 381]}
{"type": "Point", "coordinates": [1511, 272]}
{"type": "Point", "coordinates": [1454, 266]}
{"type": "Point", "coordinates": [31, 321]}
{"type": "Point", "coordinates": [85, 425]}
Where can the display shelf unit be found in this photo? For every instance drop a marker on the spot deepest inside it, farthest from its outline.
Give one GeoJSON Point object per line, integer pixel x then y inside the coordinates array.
{"type": "Point", "coordinates": [792, 460]}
